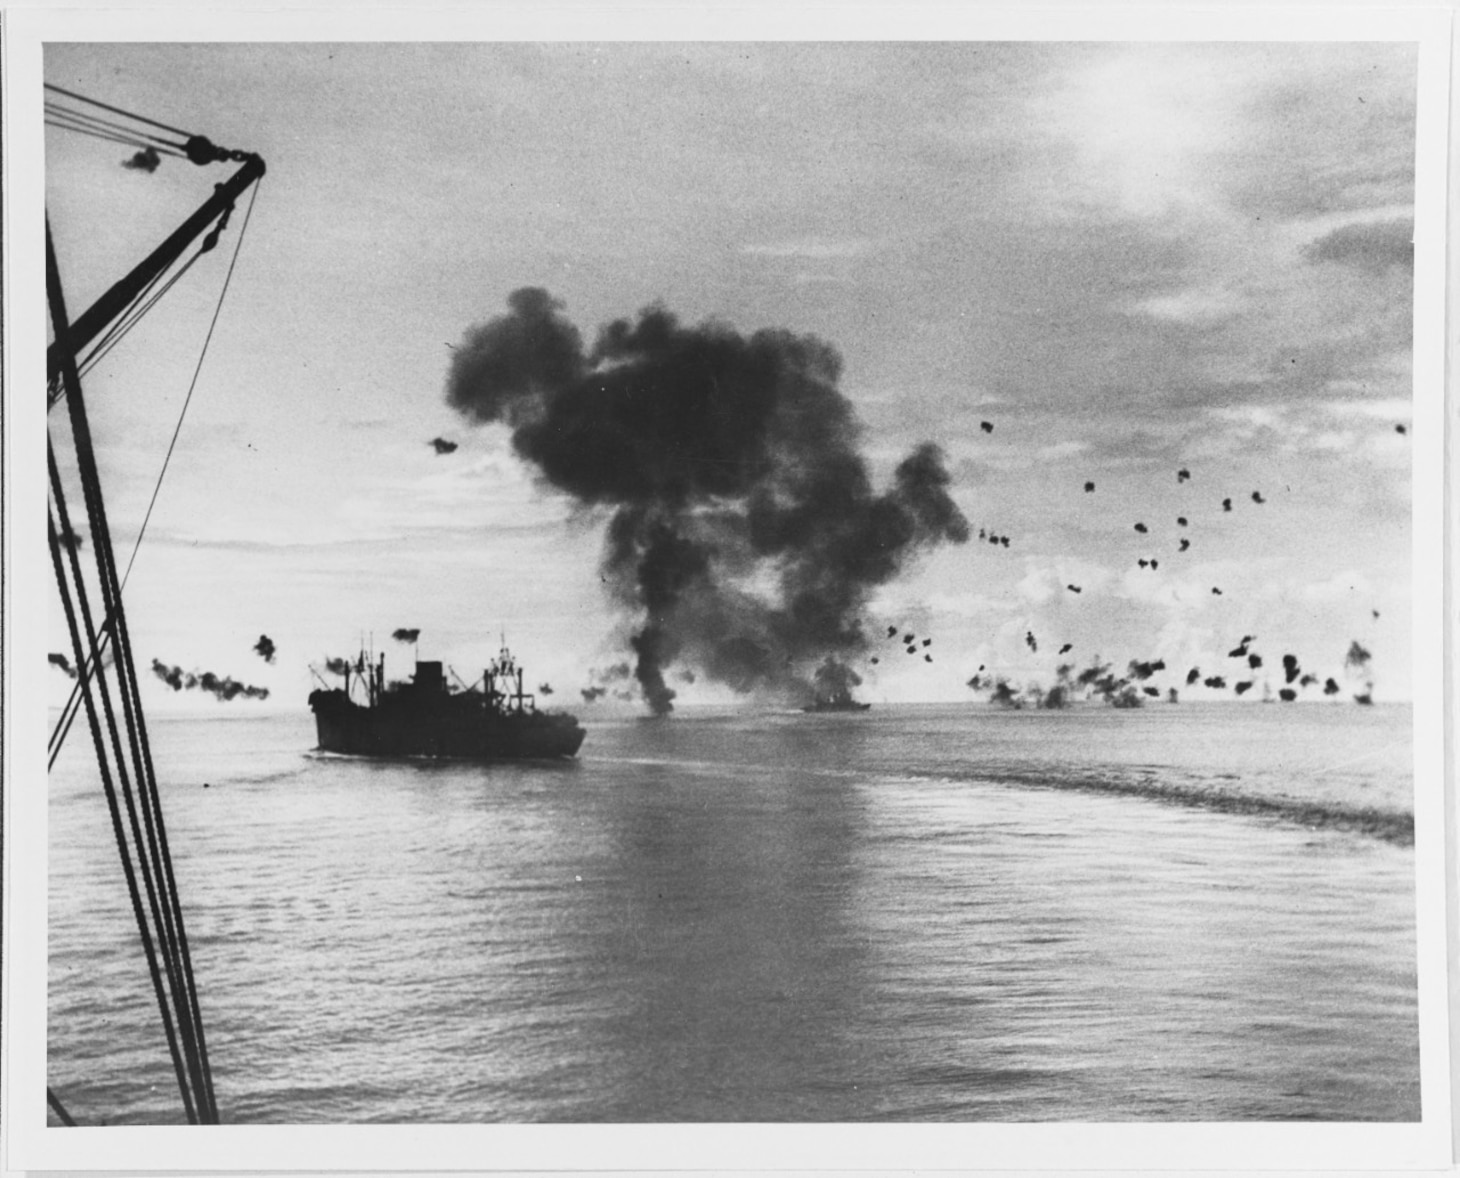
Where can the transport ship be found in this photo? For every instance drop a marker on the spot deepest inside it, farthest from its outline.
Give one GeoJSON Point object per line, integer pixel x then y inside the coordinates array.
{"type": "Point", "coordinates": [426, 717]}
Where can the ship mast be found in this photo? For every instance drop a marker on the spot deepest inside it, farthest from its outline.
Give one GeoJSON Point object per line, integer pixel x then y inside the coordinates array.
{"type": "Point", "coordinates": [91, 322]}
{"type": "Point", "coordinates": [111, 695]}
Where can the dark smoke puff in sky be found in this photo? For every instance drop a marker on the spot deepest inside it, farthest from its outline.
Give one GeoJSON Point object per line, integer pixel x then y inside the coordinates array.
{"type": "Point", "coordinates": [724, 457]}
{"type": "Point", "coordinates": [405, 635]}
{"type": "Point", "coordinates": [145, 160]}
{"type": "Point", "coordinates": [264, 648]}
{"type": "Point", "coordinates": [222, 688]}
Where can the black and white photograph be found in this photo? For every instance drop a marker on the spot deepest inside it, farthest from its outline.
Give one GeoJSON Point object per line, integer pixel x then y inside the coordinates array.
{"type": "Point", "coordinates": [752, 581]}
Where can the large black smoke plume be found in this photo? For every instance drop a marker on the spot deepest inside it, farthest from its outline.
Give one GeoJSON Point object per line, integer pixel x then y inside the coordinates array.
{"type": "Point", "coordinates": [746, 535]}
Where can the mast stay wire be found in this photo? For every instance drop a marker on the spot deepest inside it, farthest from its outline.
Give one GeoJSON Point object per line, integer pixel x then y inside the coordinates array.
{"type": "Point", "coordinates": [56, 110]}
{"type": "Point", "coordinates": [123, 324]}
{"type": "Point", "coordinates": [153, 856]}
{"type": "Point", "coordinates": [58, 1108]}
{"type": "Point", "coordinates": [68, 713]}
{"type": "Point", "coordinates": [109, 137]}
{"type": "Point", "coordinates": [146, 852]}
{"type": "Point", "coordinates": [67, 122]}
{"type": "Point", "coordinates": [108, 786]}
{"type": "Point", "coordinates": [194, 1077]}
{"type": "Point", "coordinates": [113, 337]}
{"type": "Point", "coordinates": [116, 110]}
{"type": "Point", "coordinates": [129, 318]}
{"type": "Point", "coordinates": [197, 370]}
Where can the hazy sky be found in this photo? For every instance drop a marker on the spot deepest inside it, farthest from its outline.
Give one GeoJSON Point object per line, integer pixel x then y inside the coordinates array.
{"type": "Point", "coordinates": [1130, 259]}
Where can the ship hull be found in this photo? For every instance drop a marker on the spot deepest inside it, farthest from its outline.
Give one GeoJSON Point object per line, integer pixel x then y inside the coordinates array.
{"type": "Point", "coordinates": [343, 726]}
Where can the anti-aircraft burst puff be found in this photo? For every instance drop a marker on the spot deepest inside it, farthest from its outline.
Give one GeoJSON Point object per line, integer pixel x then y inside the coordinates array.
{"type": "Point", "coordinates": [730, 462]}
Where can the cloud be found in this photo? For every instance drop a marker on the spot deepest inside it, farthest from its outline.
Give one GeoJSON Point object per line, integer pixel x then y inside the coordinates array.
{"type": "Point", "coordinates": [1176, 594]}
{"type": "Point", "coordinates": [1046, 582]}
{"type": "Point", "coordinates": [1059, 450]}
{"type": "Point", "coordinates": [958, 605]}
{"type": "Point", "coordinates": [1388, 409]}
{"type": "Point", "coordinates": [1349, 587]}
{"type": "Point", "coordinates": [1373, 246]}
{"type": "Point", "coordinates": [1193, 305]}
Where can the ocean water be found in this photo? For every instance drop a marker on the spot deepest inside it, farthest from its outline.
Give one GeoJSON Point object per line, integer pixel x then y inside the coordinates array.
{"type": "Point", "coordinates": [1186, 913]}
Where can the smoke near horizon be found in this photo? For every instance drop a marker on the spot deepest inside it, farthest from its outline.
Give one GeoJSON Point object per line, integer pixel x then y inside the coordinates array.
{"type": "Point", "coordinates": [1357, 665]}
{"type": "Point", "coordinates": [1100, 682]}
{"type": "Point", "coordinates": [223, 688]}
{"type": "Point", "coordinates": [746, 536]}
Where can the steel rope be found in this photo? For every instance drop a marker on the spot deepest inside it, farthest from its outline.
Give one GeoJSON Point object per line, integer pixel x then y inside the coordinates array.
{"type": "Point", "coordinates": [126, 675]}
{"type": "Point", "coordinates": [116, 110]}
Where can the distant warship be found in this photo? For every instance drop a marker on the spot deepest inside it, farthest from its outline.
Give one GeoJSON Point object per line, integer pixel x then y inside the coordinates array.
{"type": "Point", "coordinates": [832, 685]}
{"type": "Point", "coordinates": [836, 705]}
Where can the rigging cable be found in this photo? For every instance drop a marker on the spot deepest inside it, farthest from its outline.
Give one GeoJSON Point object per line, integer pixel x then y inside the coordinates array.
{"type": "Point", "coordinates": [95, 134]}
{"type": "Point", "coordinates": [197, 1020]}
{"type": "Point", "coordinates": [56, 110]}
{"type": "Point", "coordinates": [111, 798]}
{"type": "Point", "coordinates": [187, 1044]}
{"type": "Point", "coordinates": [203, 355]}
{"type": "Point", "coordinates": [68, 714]}
{"type": "Point", "coordinates": [58, 1108]}
{"type": "Point", "coordinates": [113, 337]}
{"type": "Point", "coordinates": [116, 110]}
{"type": "Point", "coordinates": [107, 342]}
{"type": "Point", "coordinates": [123, 326]}
{"type": "Point", "coordinates": [82, 127]}
{"type": "Point", "coordinates": [127, 319]}
{"type": "Point", "coordinates": [152, 853]}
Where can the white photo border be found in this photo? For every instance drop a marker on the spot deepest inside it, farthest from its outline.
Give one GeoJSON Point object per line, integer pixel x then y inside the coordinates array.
{"type": "Point", "coordinates": [31, 1145]}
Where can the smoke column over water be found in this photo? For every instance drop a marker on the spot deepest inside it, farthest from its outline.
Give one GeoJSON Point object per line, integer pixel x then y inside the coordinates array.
{"type": "Point", "coordinates": [834, 681]}
{"type": "Point", "coordinates": [1356, 665]}
{"type": "Point", "coordinates": [746, 536]}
